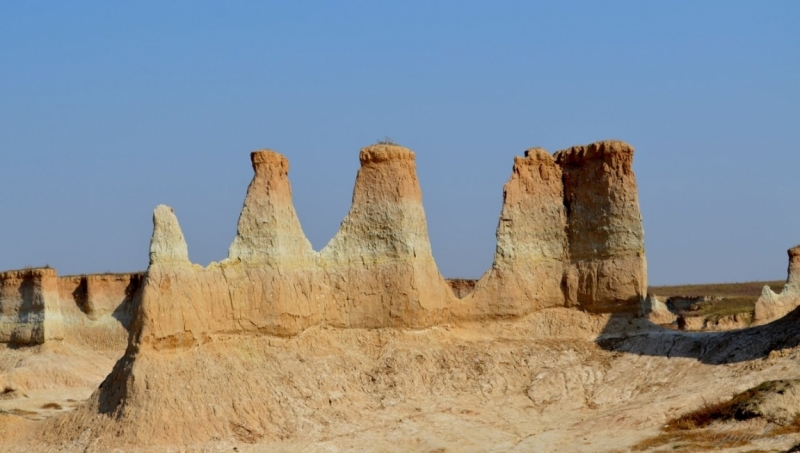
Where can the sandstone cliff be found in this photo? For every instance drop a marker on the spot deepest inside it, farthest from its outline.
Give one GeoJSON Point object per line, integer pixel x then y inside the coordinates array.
{"type": "Point", "coordinates": [771, 306]}
{"type": "Point", "coordinates": [608, 270]}
{"type": "Point", "coordinates": [97, 310]}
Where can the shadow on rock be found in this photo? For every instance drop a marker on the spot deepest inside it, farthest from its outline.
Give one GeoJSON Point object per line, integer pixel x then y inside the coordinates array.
{"type": "Point", "coordinates": [638, 336]}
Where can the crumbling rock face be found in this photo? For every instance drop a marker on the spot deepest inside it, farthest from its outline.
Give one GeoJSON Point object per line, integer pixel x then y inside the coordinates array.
{"type": "Point", "coordinates": [531, 249]}
{"type": "Point", "coordinates": [771, 306]}
{"type": "Point", "coordinates": [378, 271]}
{"type": "Point", "coordinates": [461, 287]}
{"type": "Point", "coordinates": [608, 270]}
{"type": "Point", "coordinates": [183, 303]}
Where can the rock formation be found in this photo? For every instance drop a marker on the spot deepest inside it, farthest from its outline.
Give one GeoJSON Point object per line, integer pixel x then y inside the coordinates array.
{"type": "Point", "coordinates": [259, 289]}
{"type": "Point", "coordinates": [656, 311]}
{"type": "Point", "coordinates": [608, 271]}
{"type": "Point", "coordinates": [771, 306]}
{"type": "Point", "coordinates": [380, 266]}
{"type": "Point", "coordinates": [29, 306]}
{"type": "Point", "coordinates": [378, 270]}
{"type": "Point", "coordinates": [531, 252]}
{"type": "Point", "coordinates": [569, 234]}
{"type": "Point", "coordinates": [37, 306]}
{"type": "Point", "coordinates": [269, 231]}
{"type": "Point", "coordinates": [100, 295]}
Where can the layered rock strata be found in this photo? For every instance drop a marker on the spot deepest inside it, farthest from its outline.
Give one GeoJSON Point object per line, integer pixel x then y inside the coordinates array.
{"type": "Point", "coordinates": [100, 295]}
{"type": "Point", "coordinates": [378, 271]}
{"type": "Point", "coordinates": [97, 310]}
{"type": "Point", "coordinates": [37, 306]}
{"type": "Point", "coordinates": [771, 306]}
{"type": "Point", "coordinates": [607, 271]}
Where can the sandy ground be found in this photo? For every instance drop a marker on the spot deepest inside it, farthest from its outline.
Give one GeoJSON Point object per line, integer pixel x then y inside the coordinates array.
{"type": "Point", "coordinates": [558, 380]}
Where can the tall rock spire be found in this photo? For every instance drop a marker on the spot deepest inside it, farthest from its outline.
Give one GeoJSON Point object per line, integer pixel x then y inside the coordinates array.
{"type": "Point", "coordinates": [380, 265]}
{"type": "Point", "coordinates": [269, 230]}
{"type": "Point", "coordinates": [531, 250]}
{"type": "Point", "coordinates": [608, 271]}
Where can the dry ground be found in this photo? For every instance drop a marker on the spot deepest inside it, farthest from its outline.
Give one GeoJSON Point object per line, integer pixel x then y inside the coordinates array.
{"type": "Point", "coordinates": [559, 380]}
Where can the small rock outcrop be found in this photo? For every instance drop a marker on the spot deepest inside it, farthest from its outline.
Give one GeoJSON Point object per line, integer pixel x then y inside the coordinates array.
{"type": "Point", "coordinates": [608, 270]}
{"type": "Point", "coordinates": [657, 311]}
{"type": "Point", "coordinates": [771, 306]}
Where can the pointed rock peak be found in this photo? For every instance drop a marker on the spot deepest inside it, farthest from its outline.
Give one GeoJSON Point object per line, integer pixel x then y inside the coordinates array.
{"type": "Point", "coordinates": [267, 161]}
{"type": "Point", "coordinates": [167, 245]}
{"type": "Point", "coordinates": [598, 150]}
{"type": "Point", "coordinates": [383, 152]}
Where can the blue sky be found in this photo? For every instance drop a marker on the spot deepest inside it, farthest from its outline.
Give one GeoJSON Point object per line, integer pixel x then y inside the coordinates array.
{"type": "Point", "coordinates": [110, 108]}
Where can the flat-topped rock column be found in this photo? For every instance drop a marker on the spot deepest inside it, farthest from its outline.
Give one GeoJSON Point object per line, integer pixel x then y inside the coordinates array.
{"type": "Point", "coordinates": [608, 269]}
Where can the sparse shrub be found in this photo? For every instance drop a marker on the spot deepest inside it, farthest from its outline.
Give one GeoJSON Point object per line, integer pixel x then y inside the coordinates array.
{"type": "Point", "coordinates": [386, 141]}
{"type": "Point", "coordinates": [742, 406]}
{"type": "Point", "coordinates": [55, 406]}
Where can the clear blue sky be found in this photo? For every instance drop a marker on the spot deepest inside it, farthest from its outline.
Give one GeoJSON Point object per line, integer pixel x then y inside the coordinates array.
{"type": "Point", "coordinates": [110, 108]}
